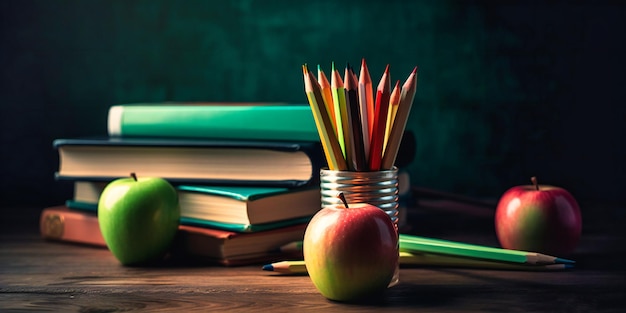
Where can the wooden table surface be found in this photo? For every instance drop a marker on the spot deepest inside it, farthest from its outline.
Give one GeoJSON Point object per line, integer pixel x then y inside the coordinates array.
{"type": "Point", "coordinates": [37, 275]}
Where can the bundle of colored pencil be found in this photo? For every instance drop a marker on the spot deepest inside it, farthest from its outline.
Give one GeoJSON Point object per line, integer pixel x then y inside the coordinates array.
{"type": "Point", "coordinates": [359, 132]}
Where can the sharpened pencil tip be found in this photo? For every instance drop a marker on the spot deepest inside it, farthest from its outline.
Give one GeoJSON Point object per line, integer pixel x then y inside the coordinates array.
{"type": "Point", "coordinates": [332, 65]}
{"type": "Point", "coordinates": [362, 62]}
{"type": "Point", "coordinates": [304, 70]}
{"type": "Point", "coordinates": [387, 69]}
{"type": "Point", "coordinates": [414, 70]}
{"type": "Point", "coordinates": [564, 261]}
{"type": "Point", "coordinates": [268, 267]}
{"type": "Point", "coordinates": [319, 68]}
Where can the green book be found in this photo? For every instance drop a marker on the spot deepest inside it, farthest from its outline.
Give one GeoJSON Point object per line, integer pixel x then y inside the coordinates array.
{"type": "Point", "coordinates": [243, 121]}
{"type": "Point", "coordinates": [236, 208]}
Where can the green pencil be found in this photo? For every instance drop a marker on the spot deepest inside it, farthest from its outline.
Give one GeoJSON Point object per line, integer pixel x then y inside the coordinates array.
{"type": "Point", "coordinates": [409, 243]}
{"type": "Point", "coordinates": [442, 260]}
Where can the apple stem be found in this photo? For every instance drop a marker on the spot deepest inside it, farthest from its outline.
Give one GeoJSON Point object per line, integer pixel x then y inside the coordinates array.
{"type": "Point", "coordinates": [343, 199]}
{"type": "Point", "coordinates": [133, 175]}
{"type": "Point", "coordinates": [534, 181]}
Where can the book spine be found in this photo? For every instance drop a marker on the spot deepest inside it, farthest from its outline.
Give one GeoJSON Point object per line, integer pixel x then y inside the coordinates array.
{"type": "Point", "coordinates": [262, 122]}
{"type": "Point", "coordinates": [65, 225]}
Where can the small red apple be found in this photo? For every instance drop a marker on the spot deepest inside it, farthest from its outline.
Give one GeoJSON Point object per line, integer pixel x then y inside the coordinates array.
{"type": "Point", "coordinates": [350, 252]}
{"type": "Point", "coordinates": [538, 218]}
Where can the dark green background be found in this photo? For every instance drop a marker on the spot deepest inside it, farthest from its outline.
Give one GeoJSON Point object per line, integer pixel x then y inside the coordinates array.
{"type": "Point", "coordinates": [506, 91]}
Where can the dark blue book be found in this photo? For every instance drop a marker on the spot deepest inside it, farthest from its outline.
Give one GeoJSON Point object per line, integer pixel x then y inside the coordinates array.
{"type": "Point", "coordinates": [189, 161]}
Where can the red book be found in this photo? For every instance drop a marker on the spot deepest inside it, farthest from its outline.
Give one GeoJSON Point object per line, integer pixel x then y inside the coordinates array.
{"type": "Point", "coordinates": [217, 246]}
{"type": "Point", "coordinates": [232, 248]}
{"type": "Point", "coordinates": [62, 224]}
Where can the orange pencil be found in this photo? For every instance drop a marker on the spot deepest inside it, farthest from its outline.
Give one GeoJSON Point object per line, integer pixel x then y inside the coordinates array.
{"type": "Point", "coordinates": [366, 103]}
{"type": "Point", "coordinates": [326, 94]}
{"type": "Point", "coordinates": [399, 124]}
{"type": "Point", "coordinates": [380, 118]}
{"type": "Point", "coordinates": [331, 147]}
{"type": "Point", "coordinates": [394, 101]}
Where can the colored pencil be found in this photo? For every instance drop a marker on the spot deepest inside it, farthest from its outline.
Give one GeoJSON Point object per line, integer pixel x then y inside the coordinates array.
{"type": "Point", "coordinates": [399, 124]}
{"type": "Point", "coordinates": [286, 267]}
{"type": "Point", "coordinates": [327, 95]}
{"type": "Point", "coordinates": [366, 103]}
{"type": "Point", "coordinates": [409, 243]}
{"type": "Point", "coordinates": [291, 247]}
{"type": "Point", "coordinates": [380, 118]}
{"type": "Point", "coordinates": [440, 260]}
{"type": "Point", "coordinates": [394, 101]}
{"type": "Point", "coordinates": [356, 159]}
{"type": "Point", "coordinates": [328, 138]}
{"type": "Point", "coordinates": [341, 115]}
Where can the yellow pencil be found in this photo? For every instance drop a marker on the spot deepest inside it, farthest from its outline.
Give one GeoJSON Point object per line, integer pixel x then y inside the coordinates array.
{"type": "Point", "coordinates": [394, 101]}
{"type": "Point", "coordinates": [331, 147]}
{"type": "Point", "coordinates": [286, 267]}
{"type": "Point", "coordinates": [399, 124]}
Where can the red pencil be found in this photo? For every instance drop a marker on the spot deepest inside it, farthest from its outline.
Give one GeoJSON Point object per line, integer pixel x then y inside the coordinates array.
{"type": "Point", "coordinates": [366, 102]}
{"type": "Point", "coordinates": [380, 121]}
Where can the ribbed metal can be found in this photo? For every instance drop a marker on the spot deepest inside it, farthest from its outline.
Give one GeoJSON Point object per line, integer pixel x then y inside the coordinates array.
{"type": "Point", "coordinates": [379, 188]}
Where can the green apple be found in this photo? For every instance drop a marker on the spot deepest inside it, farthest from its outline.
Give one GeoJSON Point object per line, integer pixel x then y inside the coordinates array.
{"type": "Point", "coordinates": [351, 253]}
{"type": "Point", "coordinates": [138, 218]}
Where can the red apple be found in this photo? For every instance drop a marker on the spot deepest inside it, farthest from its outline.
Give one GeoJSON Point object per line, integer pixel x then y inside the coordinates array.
{"type": "Point", "coordinates": [350, 252]}
{"type": "Point", "coordinates": [538, 218]}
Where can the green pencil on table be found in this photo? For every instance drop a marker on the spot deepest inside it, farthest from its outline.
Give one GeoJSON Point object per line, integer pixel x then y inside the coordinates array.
{"type": "Point", "coordinates": [411, 243]}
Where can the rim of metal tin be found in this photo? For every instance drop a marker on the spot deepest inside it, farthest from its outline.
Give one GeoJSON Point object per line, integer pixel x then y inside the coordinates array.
{"type": "Point", "coordinates": [325, 172]}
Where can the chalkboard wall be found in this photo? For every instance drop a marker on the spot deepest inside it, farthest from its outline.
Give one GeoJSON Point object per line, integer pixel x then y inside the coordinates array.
{"type": "Point", "coordinates": [506, 91]}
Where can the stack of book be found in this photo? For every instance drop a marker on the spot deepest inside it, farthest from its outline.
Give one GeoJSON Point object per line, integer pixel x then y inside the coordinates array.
{"type": "Point", "coordinates": [247, 175]}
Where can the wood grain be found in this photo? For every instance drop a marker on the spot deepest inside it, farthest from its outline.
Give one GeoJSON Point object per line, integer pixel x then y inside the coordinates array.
{"type": "Point", "coordinates": [38, 275]}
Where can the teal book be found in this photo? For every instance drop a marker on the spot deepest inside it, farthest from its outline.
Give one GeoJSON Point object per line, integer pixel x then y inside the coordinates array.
{"type": "Point", "coordinates": [240, 121]}
{"type": "Point", "coordinates": [191, 161]}
{"type": "Point", "coordinates": [236, 208]}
